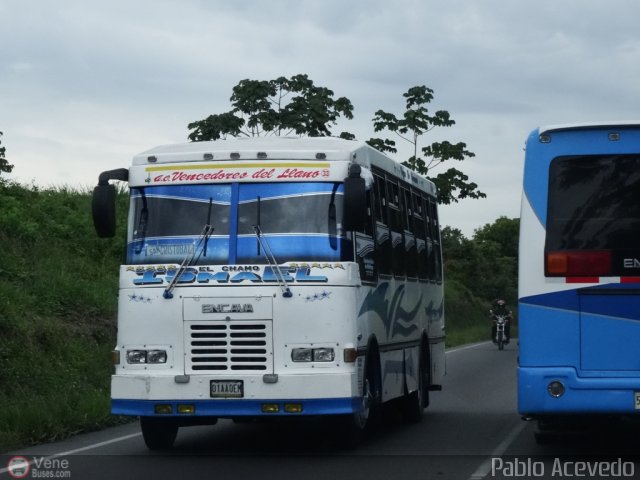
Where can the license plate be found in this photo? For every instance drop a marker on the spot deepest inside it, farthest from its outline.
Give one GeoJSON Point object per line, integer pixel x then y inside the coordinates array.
{"type": "Point", "coordinates": [637, 400]}
{"type": "Point", "coordinates": [227, 388]}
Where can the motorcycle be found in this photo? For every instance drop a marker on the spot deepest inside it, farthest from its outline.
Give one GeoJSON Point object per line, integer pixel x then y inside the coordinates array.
{"type": "Point", "coordinates": [501, 338]}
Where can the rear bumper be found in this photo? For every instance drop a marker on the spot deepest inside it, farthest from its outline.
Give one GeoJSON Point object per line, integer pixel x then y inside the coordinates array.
{"type": "Point", "coordinates": [237, 408]}
{"type": "Point", "coordinates": [582, 395]}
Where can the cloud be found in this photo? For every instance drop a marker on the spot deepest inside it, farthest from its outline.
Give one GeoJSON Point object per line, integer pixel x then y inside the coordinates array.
{"type": "Point", "coordinates": [85, 87]}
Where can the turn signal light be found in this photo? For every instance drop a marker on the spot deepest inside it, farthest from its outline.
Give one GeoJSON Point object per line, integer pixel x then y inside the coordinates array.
{"type": "Point", "coordinates": [350, 355]}
{"type": "Point", "coordinates": [270, 408]}
{"type": "Point", "coordinates": [163, 409]}
{"type": "Point", "coordinates": [578, 263]}
{"type": "Point", "coordinates": [293, 407]}
{"type": "Point", "coordinates": [187, 409]}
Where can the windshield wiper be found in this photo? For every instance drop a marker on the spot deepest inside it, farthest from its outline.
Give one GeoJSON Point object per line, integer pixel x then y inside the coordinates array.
{"type": "Point", "coordinates": [271, 260]}
{"type": "Point", "coordinates": [206, 238]}
{"type": "Point", "coordinates": [188, 259]}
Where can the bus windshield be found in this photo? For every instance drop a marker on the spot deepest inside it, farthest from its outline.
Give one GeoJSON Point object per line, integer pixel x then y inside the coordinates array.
{"type": "Point", "coordinates": [300, 222]}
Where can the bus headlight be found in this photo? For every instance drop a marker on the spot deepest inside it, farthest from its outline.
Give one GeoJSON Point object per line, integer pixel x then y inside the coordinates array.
{"type": "Point", "coordinates": [146, 356]}
{"type": "Point", "coordinates": [323, 355]}
{"type": "Point", "coordinates": [313, 354]}
{"type": "Point", "coordinates": [157, 356]}
{"type": "Point", "coordinates": [301, 355]}
{"type": "Point", "coordinates": [136, 356]}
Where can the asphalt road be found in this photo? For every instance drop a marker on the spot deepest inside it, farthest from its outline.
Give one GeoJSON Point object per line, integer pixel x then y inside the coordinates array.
{"type": "Point", "coordinates": [471, 430]}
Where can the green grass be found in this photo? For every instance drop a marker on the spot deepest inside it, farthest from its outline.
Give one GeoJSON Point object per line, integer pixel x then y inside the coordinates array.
{"type": "Point", "coordinates": [467, 317]}
{"type": "Point", "coordinates": [58, 294]}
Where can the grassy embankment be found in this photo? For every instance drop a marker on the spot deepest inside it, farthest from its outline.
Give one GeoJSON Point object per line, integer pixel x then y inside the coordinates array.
{"type": "Point", "coordinates": [467, 316]}
{"type": "Point", "coordinates": [58, 288]}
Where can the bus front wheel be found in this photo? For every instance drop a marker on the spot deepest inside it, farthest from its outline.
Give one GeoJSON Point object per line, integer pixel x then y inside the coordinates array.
{"type": "Point", "coordinates": [355, 424]}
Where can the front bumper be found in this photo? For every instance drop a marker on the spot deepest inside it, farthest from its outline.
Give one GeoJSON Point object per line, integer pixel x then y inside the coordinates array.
{"type": "Point", "coordinates": [318, 393]}
{"type": "Point", "coordinates": [238, 408]}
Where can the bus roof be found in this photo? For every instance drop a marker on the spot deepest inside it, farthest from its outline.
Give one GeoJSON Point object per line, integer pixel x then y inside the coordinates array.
{"type": "Point", "coordinates": [278, 147]}
{"type": "Point", "coordinates": [586, 125]}
{"type": "Point", "coordinates": [282, 148]}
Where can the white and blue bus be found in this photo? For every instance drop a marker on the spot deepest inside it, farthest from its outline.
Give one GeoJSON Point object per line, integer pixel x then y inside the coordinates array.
{"type": "Point", "coordinates": [579, 273]}
{"type": "Point", "coordinates": [274, 278]}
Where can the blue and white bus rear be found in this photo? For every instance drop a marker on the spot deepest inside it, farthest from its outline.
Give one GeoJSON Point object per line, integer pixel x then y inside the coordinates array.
{"type": "Point", "coordinates": [579, 272]}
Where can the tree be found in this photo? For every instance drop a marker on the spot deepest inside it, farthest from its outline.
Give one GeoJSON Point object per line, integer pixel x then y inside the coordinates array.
{"type": "Point", "coordinates": [283, 106]}
{"type": "Point", "coordinates": [505, 232]}
{"type": "Point", "coordinates": [487, 264]}
{"type": "Point", "coordinates": [4, 163]}
{"type": "Point", "coordinates": [416, 121]}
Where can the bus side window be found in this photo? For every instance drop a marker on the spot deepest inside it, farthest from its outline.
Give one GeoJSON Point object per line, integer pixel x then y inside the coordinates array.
{"type": "Point", "coordinates": [431, 254]}
{"type": "Point", "coordinates": [382, 236]}
{"type": "Point", "coordinates": [368, 227]}
{"type": "Point", "coordinates": [364, 244]}
{"type": "Point", "coordinates": [436, 240]}
{"type": "Point", "coordinates": [411, 254]}
{"type": "Point", "coordinates": [419, 231]}
{"type": "Point", "coordinates": [396, 225]}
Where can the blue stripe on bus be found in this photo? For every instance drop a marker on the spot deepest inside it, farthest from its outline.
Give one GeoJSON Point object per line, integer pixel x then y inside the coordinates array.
{"type": "Point", "coordinates": [292, 247]}
{"type": "Point", "coordinates": [233, 408]}
{"type": "Point", "coordinates": [621, 305]}
{"type": "Point", "coordinates": [219, 193]}
{"type": "Point", "coordinates": [250, 191]}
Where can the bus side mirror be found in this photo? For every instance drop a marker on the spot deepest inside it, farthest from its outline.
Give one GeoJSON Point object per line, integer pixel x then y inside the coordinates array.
{"type": "Point", "coordinates": [103, 203]}
{"type": "Point", "coordinates": [103, 209]}
{"type": "Point", "coordinates": [355, 200]}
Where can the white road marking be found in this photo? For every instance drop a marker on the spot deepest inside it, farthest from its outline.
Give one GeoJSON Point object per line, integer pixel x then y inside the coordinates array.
{"type": "Point", "coordinates": [78, 450]}
{"type": "Point", "coordinates": [466, 347]}
{"type": "Point", "coordinates": [485, 467]}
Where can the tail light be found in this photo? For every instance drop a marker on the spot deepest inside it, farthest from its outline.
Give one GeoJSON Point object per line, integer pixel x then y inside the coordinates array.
{"type": "Point", "coordinates": [578, 263]}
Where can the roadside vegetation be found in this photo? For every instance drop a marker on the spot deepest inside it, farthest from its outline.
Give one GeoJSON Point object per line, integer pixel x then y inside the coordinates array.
{"type": "Point", "coordinates": [58, 287]}
{"type": "Point", "coordinates": [478, 271]}
{"type": "Point", "coordinates": [58, 294]}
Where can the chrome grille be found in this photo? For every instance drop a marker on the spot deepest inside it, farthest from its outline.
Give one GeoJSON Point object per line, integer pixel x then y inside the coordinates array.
{"type": "Point", "coordinates": [229, 346]}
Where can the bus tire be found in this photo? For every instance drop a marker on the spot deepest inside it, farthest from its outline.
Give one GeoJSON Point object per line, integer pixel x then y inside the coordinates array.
{"type": "Point", "coordinates": [355, 424]}
{"type": "Point", "coordinates": [158, 433]}
{"type": "Point", "coordinates": [413, 403]}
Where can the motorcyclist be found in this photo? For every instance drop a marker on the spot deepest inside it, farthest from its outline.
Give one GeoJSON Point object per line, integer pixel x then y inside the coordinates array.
{"type": "Point", "coordinates": [499, 307]}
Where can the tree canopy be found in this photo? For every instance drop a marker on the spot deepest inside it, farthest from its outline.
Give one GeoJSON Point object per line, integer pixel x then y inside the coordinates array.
{"type": "Point", "coordinates": [491, 255]}
{"type": "Point", "coordinates": [283, 106]}
{"type": "Point", "coordinates": [295, 105]}
{"type": "Point", "coordinates": [4, 163]}
{"type": "Point", "coordinates": [415, 122]}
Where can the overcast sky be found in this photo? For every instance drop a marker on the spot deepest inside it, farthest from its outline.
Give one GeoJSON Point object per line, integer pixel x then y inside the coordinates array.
{"type": "Point", "coordinates": [85, 85]}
